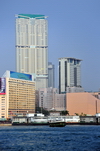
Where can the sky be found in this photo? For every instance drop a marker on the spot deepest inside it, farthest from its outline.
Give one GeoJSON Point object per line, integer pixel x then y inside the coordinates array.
{"type": "Point", "coordinates": [73, 31]}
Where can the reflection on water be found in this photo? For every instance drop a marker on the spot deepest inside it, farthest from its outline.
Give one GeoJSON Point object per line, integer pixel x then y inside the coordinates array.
{"type": "Point", "coordinates": [45, 138]}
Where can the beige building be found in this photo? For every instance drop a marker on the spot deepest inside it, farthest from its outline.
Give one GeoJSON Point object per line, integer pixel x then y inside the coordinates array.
{"type": "Point", "coordinates": [82, 102]}
{"type": "Point", "coordinates": [32, 47]}
{"type": "Point", "coordinates": [3, 106]}
{"type": "Point", "coordinates": [51, 100]}
{"type": "Point", "coordinates": [19, 96]}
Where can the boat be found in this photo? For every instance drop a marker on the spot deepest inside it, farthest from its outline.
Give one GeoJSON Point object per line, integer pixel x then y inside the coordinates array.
{"type": "Point", "coordinates": [57, 124]}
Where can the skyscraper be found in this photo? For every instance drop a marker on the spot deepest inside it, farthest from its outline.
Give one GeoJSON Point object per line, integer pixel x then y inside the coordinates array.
{"type": "Point", "coordinates": [32, 47]}
{"type": "Point", "coordinates": [69, 73]}
{"type": "Point", "coordinates": [51, 79]}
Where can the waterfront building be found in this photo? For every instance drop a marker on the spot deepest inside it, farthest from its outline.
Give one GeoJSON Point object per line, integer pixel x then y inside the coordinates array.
{"type": "Point", "coordinates": [51, 74]}
{"type": "Point", "coordinates": [3, 102]}
{"type": "Point", "coordinates": [82, 103]}
{"type": "Point", "coordinates": [32, 47]}
{"type": "Point", "coordinates": [17, 95]}
{"type": "Point", "coordinates": [69, 73]}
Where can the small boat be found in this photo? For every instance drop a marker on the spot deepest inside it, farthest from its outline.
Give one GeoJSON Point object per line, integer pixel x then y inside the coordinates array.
{"type": "Point", "coordinates": [57, 124]}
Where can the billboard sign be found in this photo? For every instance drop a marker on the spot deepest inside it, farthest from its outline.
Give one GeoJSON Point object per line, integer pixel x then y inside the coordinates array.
{"type": "Point", "coordinates": [18, 75]}
{"type": "Point", "coordinates": [2, 86]}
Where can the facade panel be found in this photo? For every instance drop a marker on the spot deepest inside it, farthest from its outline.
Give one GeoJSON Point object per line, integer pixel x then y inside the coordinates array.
{"type": "Point", "coordinates": [18, 75]}
{"type": "Point", "coordinates": [2, 86]}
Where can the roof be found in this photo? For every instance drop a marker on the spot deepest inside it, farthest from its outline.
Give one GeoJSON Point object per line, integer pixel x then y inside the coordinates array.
{"type": "Point", "coordinates": [70, 58]}
{"type": "Point", "coordinates": [27, 16]}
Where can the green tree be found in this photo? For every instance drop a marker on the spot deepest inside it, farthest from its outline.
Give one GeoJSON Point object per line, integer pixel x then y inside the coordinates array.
{"type": "Point", "coordinates": [82, 114]}
{"type": "Point", "coordinates": [42, 110]}
{"type": "Point", "coordinates": [64, 112]}
{"type": "Point", "coordinates": [77, 114]}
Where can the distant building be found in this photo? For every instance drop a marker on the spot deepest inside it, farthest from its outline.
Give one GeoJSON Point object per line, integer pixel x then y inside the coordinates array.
{"type": "Point", "coordinates": [69, 73]}
{"type": "Point", "coordinates": [32, 47]}
{"type": "Point", "coordinates": [46, 97]}
{"type": "Point", "coordinates": [60, 102]}
{"type": "Point", "coordinates": [36, 98]}
{"type": "Point", "coordinates": [74, 89]}
{"type": "Point", "coordinates": [51, 74]}
{"type": "Point", "coordinates": [17, 94]}
{"type": "Point", "coordinates": [82, 103]}
{"type": "Point", "coordinates": [96, 94]}
{"type": "Point", "coordinates": [49, 99]}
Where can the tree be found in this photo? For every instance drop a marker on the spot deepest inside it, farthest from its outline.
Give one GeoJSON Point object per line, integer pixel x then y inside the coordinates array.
{"type": "Point", "coordinates": [82, 114]}
{"type": "Point", "coordinates": [42, 110]}
{"type": "Point", "coordinates": [64, 112]}
{"type": "Point", "coordinates": [77, 114]}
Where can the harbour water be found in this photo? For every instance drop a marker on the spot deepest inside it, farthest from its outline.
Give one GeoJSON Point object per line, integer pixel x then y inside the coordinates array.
{"type": "Point", "coordinates": [45, 138]}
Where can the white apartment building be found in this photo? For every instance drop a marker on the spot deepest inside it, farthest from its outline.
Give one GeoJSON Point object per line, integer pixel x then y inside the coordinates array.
{"type": "Point", "coordinates": [32, 47]}
{"type": "Point", "coordinates": [46, 98]}
{"type": "Point", "coordinates": [49, 99]}
{"type": "Point", "coordinates": [69, 73]}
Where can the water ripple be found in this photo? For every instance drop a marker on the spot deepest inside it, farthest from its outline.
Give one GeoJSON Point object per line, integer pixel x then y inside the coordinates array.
{"type": "Point", "coordinates": [45, 138]}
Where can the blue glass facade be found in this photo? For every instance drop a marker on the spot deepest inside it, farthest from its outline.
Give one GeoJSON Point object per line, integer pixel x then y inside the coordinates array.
{"type": "Point", "coordinates": [18, 75]}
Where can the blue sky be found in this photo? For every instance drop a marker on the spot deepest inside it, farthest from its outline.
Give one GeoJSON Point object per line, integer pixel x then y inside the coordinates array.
{"type": "Point", "coordinates": [73, 28]}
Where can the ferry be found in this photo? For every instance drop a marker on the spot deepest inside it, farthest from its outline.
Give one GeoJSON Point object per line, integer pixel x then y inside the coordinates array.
{"type": "Point", "coordinates": [57, 124]}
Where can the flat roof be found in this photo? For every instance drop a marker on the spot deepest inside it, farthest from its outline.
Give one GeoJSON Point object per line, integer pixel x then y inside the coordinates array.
{"type": "Point", "coordinates": [70, 58]}
{"type": "Point", "coordinates": [27, 16]}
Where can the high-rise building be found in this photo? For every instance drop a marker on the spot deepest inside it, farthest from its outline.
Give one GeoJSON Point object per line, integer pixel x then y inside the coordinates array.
{"type": "Point", "coordinates": [51, 100]}
{"type": "Point", "coordinates": [32, 47]}
{"type": "Point", "coordinates": [51, 79]}
{"type": "Point", "coordinates": [69, 73]}
{"type": "Point", "coordinates": [46, 98]}
{"type": "Point", "coordinates": [17, 94]}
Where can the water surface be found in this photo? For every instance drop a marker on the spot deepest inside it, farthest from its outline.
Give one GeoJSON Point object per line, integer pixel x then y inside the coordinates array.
{"type": "Point", "coordinates": [45, 138]}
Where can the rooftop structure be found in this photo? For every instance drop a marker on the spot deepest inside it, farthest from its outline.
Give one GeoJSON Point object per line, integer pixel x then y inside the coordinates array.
{"type": "Point", "coordinates": [27, 16]}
